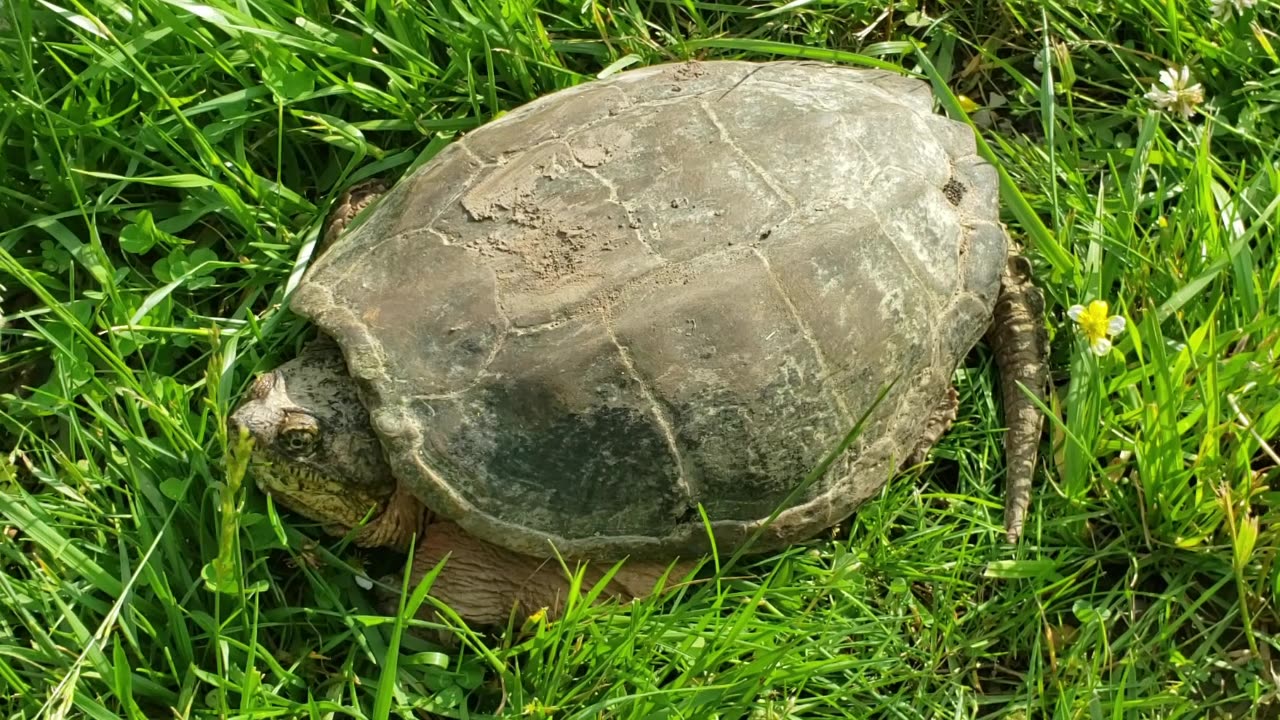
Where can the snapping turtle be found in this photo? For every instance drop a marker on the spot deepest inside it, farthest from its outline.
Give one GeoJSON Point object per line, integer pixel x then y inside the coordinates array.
{"type": "Point", "coordinates": [671, 291]}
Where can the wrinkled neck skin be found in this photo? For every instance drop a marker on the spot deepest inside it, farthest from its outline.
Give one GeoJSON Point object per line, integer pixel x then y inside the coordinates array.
{"type": "Point", "coordinates": [315, 451]}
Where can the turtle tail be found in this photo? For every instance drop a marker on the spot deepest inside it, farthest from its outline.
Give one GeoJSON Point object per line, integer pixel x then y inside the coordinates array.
{"type": "Point", "coordinates": [1017, 337]}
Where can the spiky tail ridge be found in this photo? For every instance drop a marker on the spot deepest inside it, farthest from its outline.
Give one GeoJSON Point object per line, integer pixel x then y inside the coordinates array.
{"type": "Point", "coordinates": [1017, 337]}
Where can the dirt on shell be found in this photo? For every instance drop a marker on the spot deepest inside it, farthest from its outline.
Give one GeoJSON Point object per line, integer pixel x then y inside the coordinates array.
{"type": "Point", "coordinates": [528, 220]}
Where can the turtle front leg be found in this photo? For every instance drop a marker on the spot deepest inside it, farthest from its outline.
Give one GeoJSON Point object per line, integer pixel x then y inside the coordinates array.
{"type": "Point", "coordinates": [483, 583]}
{"type": "Point", "coordinates": [1019, 341]}
{"type": "Point", "coordinates": [355, 199]}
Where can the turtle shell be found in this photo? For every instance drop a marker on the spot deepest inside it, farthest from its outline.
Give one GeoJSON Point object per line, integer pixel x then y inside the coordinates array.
{"type": "Point", "coordinates": [670, 291]}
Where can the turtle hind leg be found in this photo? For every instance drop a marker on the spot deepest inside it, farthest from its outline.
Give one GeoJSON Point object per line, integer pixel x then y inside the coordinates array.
{"type": "Point", "coordinates": [944, 413]}
{"type": "Point", "coordinates": [1018, 339]}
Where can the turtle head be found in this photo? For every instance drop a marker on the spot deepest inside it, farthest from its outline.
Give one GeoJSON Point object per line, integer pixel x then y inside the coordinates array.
{"type": "Point", "coordinates": [314, 449]}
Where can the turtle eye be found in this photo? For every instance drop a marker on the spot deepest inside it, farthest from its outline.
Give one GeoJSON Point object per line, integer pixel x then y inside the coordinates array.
{"type": "Point", "coordinates": [299, 440]}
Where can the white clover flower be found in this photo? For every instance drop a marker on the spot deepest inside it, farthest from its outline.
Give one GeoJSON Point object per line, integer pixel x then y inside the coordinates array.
{"type": "Point", "coordinates": [1097, 326]}
{"type": "Point", "coordinates": [1179, 94]}
{"type": "Point", "coordinates": [1222, 9]}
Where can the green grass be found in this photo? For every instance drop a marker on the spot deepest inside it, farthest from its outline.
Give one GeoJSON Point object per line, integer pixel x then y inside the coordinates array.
{"type": "Point", "coordinates": [165, 166]}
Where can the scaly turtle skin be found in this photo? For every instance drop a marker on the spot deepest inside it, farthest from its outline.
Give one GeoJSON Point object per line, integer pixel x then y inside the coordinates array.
{"type": "Point", "coordinates": [675, 289]}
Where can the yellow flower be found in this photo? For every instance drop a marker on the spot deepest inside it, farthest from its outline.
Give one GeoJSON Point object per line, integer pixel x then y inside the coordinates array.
{"type": "Point", "coordinates": [1097, 326]}
{"type": "Point", "coordinates": [535, 708]}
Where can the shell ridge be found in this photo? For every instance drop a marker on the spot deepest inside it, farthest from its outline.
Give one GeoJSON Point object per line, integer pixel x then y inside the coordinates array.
{"type": "Point", "coordinates": [613, 198]}
{"type": "Point", "coordinates": [870, 207]}
{"type": "Point", "coordinates": [660, 416]}
{"type": "Point", "coordinates": [768, 179]}
{"type": "Point", "coordinates": [806, 332]}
